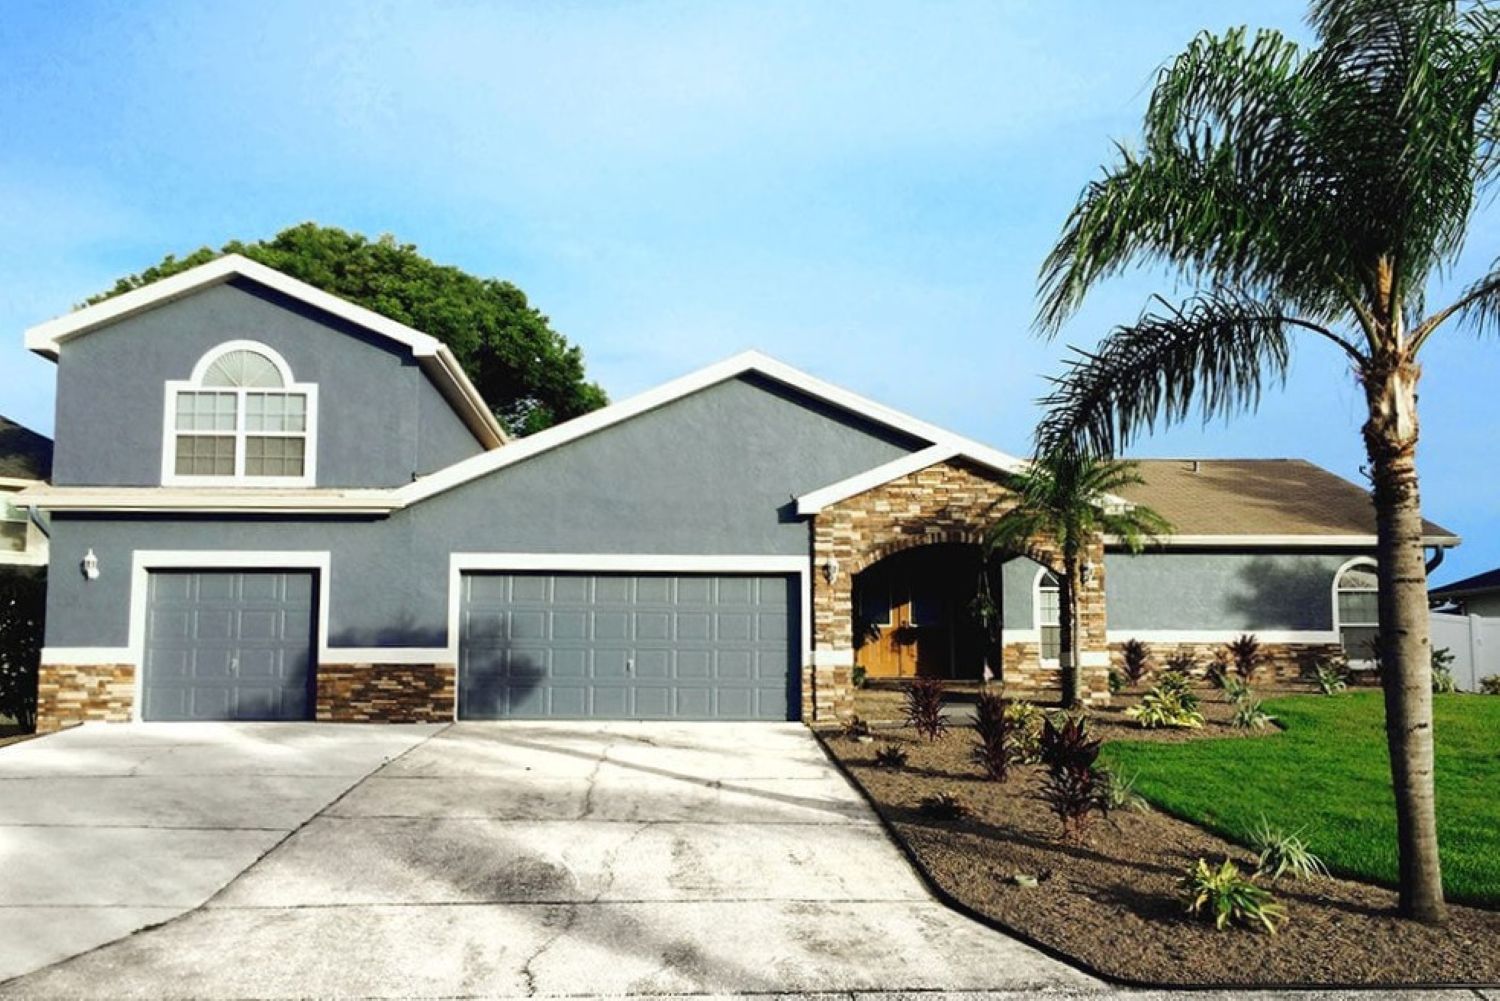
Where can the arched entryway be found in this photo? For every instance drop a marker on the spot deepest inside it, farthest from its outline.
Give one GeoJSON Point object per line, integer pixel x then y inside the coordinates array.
{"type": "Point", "coordinates": [919, 613]}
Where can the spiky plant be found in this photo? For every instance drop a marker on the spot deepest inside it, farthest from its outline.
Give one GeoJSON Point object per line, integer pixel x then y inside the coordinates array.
{"type": "Point", "coordinates": [1135, 659]}
{"type": "Point", "coordinates": [924, 708]}
{"type": "Point", "coordinates": [992, 728]}
{"type": "Point", "coordinates": [1281, 854]}
{"type": "Point", "coordinates": [1245, 653]}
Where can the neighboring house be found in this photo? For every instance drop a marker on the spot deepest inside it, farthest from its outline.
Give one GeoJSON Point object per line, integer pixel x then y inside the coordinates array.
{"type": "Point", "coordinates": [25, 462]}
{"type": "Point", "coordinates": [270, 503]}
{"type": "Point", "coordinates": [1476, 595]}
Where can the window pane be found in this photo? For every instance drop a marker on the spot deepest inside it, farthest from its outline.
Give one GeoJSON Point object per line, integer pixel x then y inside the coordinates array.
{"type": "Point", "coordinates": [1051, 642]}
{"type": "Point", "coordinates": [273, 456]}
{"type": "Point", "coordinates": [1049, 600]}
{"type": "Point", "coordinates": [243, 368]}
{"type": "Point", "coordinates": [1359, 608]}
{"type": "Point", "coordinates": [926, 609]}
{"type": "Point", "coordinates": [12, 536]}
{"type": "Point", "coordinates": [205, 411]}
{"type": "Point", "coordinates": [205, 455]}
{"type": "Point", "coordinates": [275, 412]}
{"type": "Point", "coordinates": [875, 603]}
{"type": "Point", "coordinates": [1358, 642]}
{"type": "Point", "coordinates": [1360, 577]}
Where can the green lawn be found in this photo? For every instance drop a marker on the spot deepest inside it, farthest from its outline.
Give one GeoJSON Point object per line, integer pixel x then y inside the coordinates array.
{"type": "Point", "coordinates": [1329, 773]}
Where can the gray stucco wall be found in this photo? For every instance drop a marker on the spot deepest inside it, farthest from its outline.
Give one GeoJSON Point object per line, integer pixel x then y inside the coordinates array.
{"type": "Point", "coordinates": [1187, 590]}
{"type": "Point", "coordinates": [1018, 582]}
{"type": "Point", "coordinates": [712, 473]}
{"type": "Point", "coordinates": [378, 412]}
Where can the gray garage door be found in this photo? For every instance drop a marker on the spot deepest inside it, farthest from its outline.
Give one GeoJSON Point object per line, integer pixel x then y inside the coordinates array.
{"type": "Point", "coordinates": [229, 645]}
{"type": "Point", "coordinates": [616, 646]}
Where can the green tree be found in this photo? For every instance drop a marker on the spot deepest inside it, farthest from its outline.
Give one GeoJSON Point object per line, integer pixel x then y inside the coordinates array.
{"type": "Point", "coordinates": [529, 373]}
{"type": "Point", "coordinates": [1306, 192]}
{"type": "Point", "coordinates": [1066, 496]}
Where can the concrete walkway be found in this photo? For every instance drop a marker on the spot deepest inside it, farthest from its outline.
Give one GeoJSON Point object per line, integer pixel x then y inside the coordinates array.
{"type": "Point", "coordinates": [106, 829]}
{"type": "Point", "coordinates": [550, 859]}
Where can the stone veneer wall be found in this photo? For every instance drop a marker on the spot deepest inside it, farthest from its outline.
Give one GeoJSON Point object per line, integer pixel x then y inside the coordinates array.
{"type": "Point", "coordinates": [386, 693]}
{"type": "Point", "coordinates": [1281, 661]}
{"type": "Point", "coordinates": [951, 501]}
{"type": "Point", "coordinates": [79, 693]}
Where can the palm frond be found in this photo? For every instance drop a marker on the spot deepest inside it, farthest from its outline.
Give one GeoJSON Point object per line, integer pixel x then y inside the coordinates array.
{"type": "Point", "coordinates": [1217, 351]}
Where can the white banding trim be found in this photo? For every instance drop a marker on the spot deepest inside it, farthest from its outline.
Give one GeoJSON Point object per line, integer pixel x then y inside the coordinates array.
{"type": "Point", "coordinates": [1186, 636]}
{"type": "Point", "coordinates": [82, 656]}
{"type": "Point", "coordinates": [832, 658]}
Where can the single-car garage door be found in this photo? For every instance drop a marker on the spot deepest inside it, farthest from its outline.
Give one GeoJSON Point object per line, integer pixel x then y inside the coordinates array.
{"type": "Point", "coordinates": [229, 645]}
{"type": "Point", "coordinates": [622, 646]}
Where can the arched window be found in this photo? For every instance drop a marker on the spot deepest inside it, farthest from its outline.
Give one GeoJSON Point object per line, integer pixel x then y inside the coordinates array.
{"type": "Point", "coordinates": [240, 419]}
{"type": "Point", "coordinates": [1356, 609]}
{"type": "Point", "coordinates": [1048, 604]}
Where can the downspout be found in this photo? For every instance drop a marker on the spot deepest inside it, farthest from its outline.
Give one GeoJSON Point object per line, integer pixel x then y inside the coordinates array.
{"type": "Point", "coordinates": [1438, 552]}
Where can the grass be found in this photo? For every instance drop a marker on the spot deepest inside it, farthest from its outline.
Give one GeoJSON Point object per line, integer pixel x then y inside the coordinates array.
{"type": "Point", "coordinates": [1329, 774]}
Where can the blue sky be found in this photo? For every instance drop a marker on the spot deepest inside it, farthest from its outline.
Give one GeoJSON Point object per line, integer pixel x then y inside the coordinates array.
{"type": "Point", "coordinates": [864, 190]}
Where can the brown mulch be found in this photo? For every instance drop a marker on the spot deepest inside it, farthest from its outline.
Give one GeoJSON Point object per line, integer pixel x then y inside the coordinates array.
{"type": "Point", "coordinates": [1110, 901]}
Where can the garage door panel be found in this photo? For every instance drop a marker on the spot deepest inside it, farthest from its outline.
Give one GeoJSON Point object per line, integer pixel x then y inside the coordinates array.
{"type": "Point", "coordinates": [655, 646]}
{"type": "Point", "coordinates": [228, 645]}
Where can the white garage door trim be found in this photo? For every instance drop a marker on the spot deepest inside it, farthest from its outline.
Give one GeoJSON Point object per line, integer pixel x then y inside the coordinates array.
{"type": "Point", "coordinates": [147, 560]}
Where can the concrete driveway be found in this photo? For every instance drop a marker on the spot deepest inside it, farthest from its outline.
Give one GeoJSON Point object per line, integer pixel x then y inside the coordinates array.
{"type": "Point", "coordinates": [520, 859]}
{"type": "Point", "coordinates": [107, 829]}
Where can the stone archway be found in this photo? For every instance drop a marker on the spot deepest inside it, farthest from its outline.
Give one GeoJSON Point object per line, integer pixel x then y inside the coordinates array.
{"type": "Point", "coordinates": [953, 501]}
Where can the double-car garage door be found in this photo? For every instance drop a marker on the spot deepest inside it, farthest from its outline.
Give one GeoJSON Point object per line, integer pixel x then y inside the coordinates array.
{"type": "Point", "coordinates": [622, 646]}
{"type": "Point", "coordinates": [238, 645]}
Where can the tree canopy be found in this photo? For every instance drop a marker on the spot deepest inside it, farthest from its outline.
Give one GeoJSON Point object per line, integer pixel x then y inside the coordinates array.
{"type": "Point", "coordinates": [530, 374]}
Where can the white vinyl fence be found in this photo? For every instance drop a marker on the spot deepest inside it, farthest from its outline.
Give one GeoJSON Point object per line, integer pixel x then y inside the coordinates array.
{"type": "Point", "coordinates": [1474, 642]}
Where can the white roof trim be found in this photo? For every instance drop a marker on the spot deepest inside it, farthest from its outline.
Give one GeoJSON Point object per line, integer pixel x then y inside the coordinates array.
{"type": "Point", "coordinates": [222, 501]}
{"type": "Point", "coordinates": [47, 338]}
{"type": "Point", "coordinates": [817, 500]}
{"type": "Point", "coordinates": [1276, 541]}
{"type": "Point", "coordinates": [741, 364]}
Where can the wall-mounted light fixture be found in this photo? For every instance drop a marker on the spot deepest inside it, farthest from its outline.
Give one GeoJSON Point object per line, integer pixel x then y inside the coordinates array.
{"type": "Point", "coordinates": [1088, 573]}
{"type": "Point", "coordinates": [831, 569]}
{"type": "Point", "coordinates": [90, 566]}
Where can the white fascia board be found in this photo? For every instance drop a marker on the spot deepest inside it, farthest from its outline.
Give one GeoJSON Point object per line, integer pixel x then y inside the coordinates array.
{"type": "Point", "coordinates": [127, 499]}
{"type": "Point", "coordinates": [47, 338]}
{"type": "Point", "coordinates": [741, 364]}
{"type": "Point", "coordinates": [817, 500]}
{"type": "Point", "coordinates": [1273, 541]}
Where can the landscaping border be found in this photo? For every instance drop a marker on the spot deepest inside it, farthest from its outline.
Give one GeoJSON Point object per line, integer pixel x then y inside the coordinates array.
{"type": "Point", "coordinates": [953, 903]}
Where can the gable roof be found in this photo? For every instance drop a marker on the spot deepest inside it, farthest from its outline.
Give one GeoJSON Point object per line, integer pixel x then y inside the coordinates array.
{"type": "Point", "coordinates": [749, 362]}
{"type": "Point", "coordinates": [435, 358]}
{"type": "Point", "coordinates": [1291, 500]}
{"type": "Point", "coordinates": [1481, 583]}
{"type": "Point", "coordinates": [24, 454]}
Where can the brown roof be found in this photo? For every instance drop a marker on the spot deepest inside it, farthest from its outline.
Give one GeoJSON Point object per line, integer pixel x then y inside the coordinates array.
{"type": "Point", "coordinates": [1255, 497]}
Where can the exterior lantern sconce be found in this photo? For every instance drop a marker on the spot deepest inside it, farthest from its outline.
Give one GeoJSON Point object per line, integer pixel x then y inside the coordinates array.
{"type": "Point", "coordinates": [830, 570]}
{"type": "Point", "coordinates": [90, 566]}
{"type": "Point", "coordinates": [1088, 573]}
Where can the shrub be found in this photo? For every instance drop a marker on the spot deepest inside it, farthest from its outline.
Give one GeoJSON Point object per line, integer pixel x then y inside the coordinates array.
{"type": "Point", "coordinates": [1442, 671]}
{"type": "Point", "coordinates": [1218, 671]}
{"type": "Point", "coordinates": [1228, 897]}
{"type": "Point", "coordinates": [1248, 714]}
{"type": "Point", "coordinates": [1074, 789]}
{"type": "Point", "coordinates": [1182, 662]}
{"type": "Point", "coordinates": [1026, 720]}
{"type": "Point", "coordinates": [891, 756]}
{"type": "Point", "coordinates": [1246, 654]}
{"type": "Point", "coordinates": [1236, 690]}
{"type": "Point", "coordinates": [992, 726]}
{"type": "Point", "coordinates": [858, 676]}
{"type": "Point", "coordinates": [855, 727]}
{"type": "Point", "coordinates": [944, 806]}
{"type": "Point", "coordinates": [1118, 791]}
{"type": "Point", "coordinates": [1116, 682]}
{"type": "Point", "coordinates": [1332, 675]}
{"type": "Point", "coordinates": [22, 610]}
{"type": "Point", "coordinates": [1490, 685]}
{"type": "Point", "coordinates": [1164, 706]}
{"type": "Point", "coordinates": [924, 708]}
{"type": "Point", "coordinates": [1135, 657]}
{"type": "Point", "coordinates": [1279, 853]}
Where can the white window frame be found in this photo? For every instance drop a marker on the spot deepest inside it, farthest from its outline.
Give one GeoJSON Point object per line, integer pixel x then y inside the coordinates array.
{"type": "Point", "coordinates": [1042, 574]}
{"type": "Point", "coordinates": [308, 390]}
{"type": "Point", "coordinates": [1359, 661]}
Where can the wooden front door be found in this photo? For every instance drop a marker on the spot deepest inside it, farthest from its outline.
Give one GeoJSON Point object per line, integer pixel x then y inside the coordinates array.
{"type": "Point", "coordinates": [911, 616]}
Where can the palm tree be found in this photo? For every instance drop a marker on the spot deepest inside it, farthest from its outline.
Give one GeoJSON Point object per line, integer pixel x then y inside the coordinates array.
{"type": "Point", "coordinates": [1068, 497]}
{"type": "Point", "coordinates": [1302, 192]}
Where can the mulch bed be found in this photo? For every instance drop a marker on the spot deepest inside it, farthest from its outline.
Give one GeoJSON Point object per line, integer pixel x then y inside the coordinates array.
{"type": "Point", "coordinates": [1109, 902]}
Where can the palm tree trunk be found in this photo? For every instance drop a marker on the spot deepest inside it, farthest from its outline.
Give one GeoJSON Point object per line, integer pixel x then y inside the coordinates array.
{"type": "Point", "coordinates": [1067, 622]}
{"type": "Point", "coordinates": [1391, 440]}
